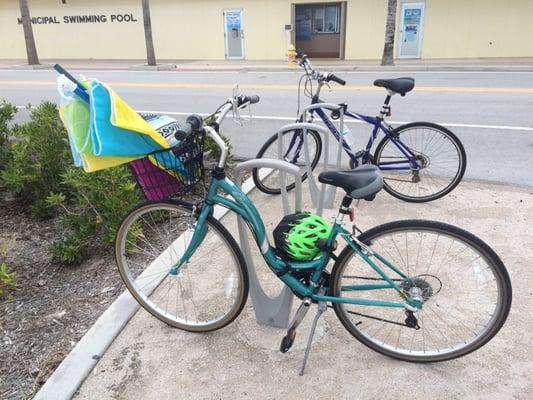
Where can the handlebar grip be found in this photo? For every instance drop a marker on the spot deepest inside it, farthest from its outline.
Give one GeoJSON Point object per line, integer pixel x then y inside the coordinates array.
{"type": "Point", "coordinates": [193, 123]}
{"type": "Point", "coordinates": [300, 54]}
{"type": "Point", "coordinates": [247, 99]}
{"type": "Point", "coordinates": [253, 99]}
{"type": "Point", "coordinates": [335, 78]}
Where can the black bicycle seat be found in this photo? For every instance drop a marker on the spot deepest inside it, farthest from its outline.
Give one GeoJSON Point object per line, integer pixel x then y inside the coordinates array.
{"type": "Point", "coordinates": [398, 85]}
{"type": "Point", "coordinates": [362, 182]}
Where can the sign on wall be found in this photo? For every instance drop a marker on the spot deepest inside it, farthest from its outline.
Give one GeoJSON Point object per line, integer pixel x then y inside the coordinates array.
{"type": "Point", "coordinates": [81, 19]}
{"type": "Point", "coordinates": [233, 19]}
{"type": "Point", "coordinates": [411, 27]}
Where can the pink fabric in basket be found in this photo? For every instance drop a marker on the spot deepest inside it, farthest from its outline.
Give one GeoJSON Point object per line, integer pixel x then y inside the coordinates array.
{"type": "Point", "coordinates": [155, 182]}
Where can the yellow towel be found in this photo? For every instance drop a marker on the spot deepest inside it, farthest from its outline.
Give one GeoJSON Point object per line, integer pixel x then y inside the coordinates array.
{"type": "Point", "coordinates": [125, 117]}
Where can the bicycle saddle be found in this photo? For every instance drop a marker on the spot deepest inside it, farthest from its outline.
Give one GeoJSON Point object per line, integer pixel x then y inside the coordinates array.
{"type": "Point", "coordinates": [398, 85]}
{"type": "Point", "coordinates": [362, 182]}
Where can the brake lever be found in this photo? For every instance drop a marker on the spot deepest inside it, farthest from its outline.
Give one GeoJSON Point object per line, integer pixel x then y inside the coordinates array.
{"type": "Point", "coordinates": [242, 107]}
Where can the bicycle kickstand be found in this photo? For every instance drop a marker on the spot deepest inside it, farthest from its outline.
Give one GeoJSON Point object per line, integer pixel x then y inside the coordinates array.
{"type": "Point", "coordinates": [288, 339]}
{"type": "Point", "coordinates": [322, 307]}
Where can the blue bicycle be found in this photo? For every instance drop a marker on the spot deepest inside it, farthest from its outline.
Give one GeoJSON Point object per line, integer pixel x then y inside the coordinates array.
{"type": "Point", "coordinates": [420, 161]}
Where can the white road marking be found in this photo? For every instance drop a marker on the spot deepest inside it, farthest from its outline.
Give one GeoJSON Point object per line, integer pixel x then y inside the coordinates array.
{"type": "Point", "coordinates": [266, 71]}
{"type": "Point", "coordinates": [350, 121]}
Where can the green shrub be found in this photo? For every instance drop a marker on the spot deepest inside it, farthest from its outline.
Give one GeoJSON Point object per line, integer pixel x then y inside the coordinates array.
{"type": "Point", "coordinates": [92, 216]}
{"type": "Point", "coordinates": [39, 157]}
{"type": "Point", "coordinates": [8, 279]}
{"type": "Point", "coordinates": [7, 112]}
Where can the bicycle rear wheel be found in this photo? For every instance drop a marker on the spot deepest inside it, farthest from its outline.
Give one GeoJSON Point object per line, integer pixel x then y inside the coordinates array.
{"type": "Point", "coordinates": [464, 285]}
{"type": "Point", "coordinates": [440, 154]}
{"type": "Point", "coordinates": [293, 152]}
{"type": "Point", "coordinates": [207, 293]}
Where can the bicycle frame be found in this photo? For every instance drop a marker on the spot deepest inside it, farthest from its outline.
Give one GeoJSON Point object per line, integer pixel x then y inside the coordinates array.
{"type": "Point", "coordinates": [237, 201]}
{"type": "Point", "coordinates": [409, 163]}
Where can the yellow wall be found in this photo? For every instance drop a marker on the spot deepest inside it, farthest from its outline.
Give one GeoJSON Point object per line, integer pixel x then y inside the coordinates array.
{"type": "Point", "coordinates": [459, 28]}
{"type": "Point", "coordinates": [194, 29]}
{"type": "Point", "coordinates": [365, 29]}
{"type": "Point", "coordinates": [111, 40]}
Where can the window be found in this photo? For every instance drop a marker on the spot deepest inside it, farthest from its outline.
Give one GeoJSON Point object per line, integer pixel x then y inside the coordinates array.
{"type": "Point", "coordinates": [331, 20]}
{"type": "Point", "coordinates": [316, 18]}
{"type": "Point", "coordinates": [326, 18]}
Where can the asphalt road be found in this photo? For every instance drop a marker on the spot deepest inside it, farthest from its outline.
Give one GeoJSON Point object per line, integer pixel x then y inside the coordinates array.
{"type": "Point", "coordinates": [491, 112]}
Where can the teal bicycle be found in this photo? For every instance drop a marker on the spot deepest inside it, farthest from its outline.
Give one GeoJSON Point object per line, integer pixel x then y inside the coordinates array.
{"type": "Point", "coordinates": [414, 290]}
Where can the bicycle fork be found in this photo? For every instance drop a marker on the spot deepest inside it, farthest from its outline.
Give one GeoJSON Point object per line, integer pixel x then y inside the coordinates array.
{"type": "Point", "coordinates": [199, 228]}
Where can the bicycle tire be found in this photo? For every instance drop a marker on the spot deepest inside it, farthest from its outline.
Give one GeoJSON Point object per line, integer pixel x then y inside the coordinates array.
{"type": "Point", "coordinates": [448, 173]}
{"type": "Point", "coordinates": [271, 145]}
{"type": "Point", "coordinates": [168, 224]}
{"type": "Point", "coordinates": [373, 327]}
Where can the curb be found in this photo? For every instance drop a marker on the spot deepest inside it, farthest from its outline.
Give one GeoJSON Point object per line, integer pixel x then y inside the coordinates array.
{"type": "Point", "coordinates": [354, 68]}
{"type": "Point", "coordinates": [158, 67]}
{"type": "Point", "coordinates": [79, 363]}
{"type": "Point", "coordinates": [27, 67]}
{"type": "Point", "coordinates": [177, 67]}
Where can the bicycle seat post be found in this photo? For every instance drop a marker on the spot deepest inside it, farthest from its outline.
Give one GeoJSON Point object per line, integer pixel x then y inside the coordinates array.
{"type": "Point", "coordinates": [385, 108]}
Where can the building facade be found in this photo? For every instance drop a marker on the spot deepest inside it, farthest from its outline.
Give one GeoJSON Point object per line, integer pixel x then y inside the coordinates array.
{"type": "Point", "coordinates": [262, 29]}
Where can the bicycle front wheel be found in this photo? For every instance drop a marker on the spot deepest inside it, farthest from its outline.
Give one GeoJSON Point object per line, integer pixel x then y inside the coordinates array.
{"type": "Point", "coordinates": [464, 286]}
{"type": "Point", "coordinates": [293, 151]}
{"type": "Point", "coordinates": [438, 152]}
{"type": "Point", "coordinates": [207, 293]}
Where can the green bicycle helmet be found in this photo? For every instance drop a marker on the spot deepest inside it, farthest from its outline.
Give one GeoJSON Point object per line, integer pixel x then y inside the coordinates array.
{"type": "Point", "coordinates": [297, 234]}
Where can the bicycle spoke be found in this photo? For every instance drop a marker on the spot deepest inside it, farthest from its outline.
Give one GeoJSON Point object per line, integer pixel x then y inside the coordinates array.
{"type": "Point", "coordinates": [195, 297]}
{"type": "Point", "coordinates": [458, 306]}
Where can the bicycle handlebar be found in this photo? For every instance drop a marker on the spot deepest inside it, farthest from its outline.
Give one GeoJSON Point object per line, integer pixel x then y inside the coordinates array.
{"type": "Point", "coordinates": [193, 124]}
{"type": "Point", "coordinates": [306, 64]}
{"type": "Point", "coordinates": [241, 100]}
{"type": "Point", "coordinates": [335, 78]}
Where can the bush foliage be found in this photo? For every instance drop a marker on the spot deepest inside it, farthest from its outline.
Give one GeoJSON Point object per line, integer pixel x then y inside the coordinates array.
{"type": "Point", "coordinates": [39, 157]}
{"type": "Point", "coordinates": [38, 170]}
{"type": "Point", "coordinates": [92, 215]}
{"type": "Point", "coordinates": [7, 112]}
{"type": "Point", "coordinates": [8, 279]}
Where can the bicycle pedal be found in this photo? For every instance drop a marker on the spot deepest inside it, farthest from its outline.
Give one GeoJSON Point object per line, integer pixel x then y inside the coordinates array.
{"type": "Point", "coordinates": [287, 342]}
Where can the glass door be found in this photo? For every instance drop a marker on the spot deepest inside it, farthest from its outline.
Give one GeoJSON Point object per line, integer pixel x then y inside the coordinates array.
{"type": "Point", "coordinates": [411, 29]}
{"type": "Point", "coordinates": [234, 34]}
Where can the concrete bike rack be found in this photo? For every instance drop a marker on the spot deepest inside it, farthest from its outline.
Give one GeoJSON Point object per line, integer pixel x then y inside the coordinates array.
{"type": "Point", "coordinates": [324, 196]}
{"type": "Point", "coordinates": [269, 311]}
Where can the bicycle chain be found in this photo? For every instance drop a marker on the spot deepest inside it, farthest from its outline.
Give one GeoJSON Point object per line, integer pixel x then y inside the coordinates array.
{"type": "Point", "coordinates": [380, 319]}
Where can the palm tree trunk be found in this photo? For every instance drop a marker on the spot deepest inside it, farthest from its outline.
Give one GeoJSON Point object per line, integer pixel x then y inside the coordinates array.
{"type": "Point", "coordinates": [150, 53]}
{"type": "Point", "coordinates": [390, 30]}
{"type": "Point", "coordinates": [31, 50]}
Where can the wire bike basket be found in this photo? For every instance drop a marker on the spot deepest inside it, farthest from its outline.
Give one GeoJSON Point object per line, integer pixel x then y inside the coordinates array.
{"type": "Point", "coordinates": [171, 172]}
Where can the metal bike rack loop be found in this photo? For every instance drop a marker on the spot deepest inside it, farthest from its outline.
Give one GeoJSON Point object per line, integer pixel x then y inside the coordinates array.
{"type": "Point", "coordinates": [325, 196]}
{"type": "Point", "coordinates": [269, 311]}
{"type": "Point", "coordinates": [328, 200]}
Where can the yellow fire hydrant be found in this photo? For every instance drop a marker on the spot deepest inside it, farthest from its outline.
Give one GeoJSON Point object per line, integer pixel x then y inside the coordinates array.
{"type": "Point", "coordinates": [291, 56]}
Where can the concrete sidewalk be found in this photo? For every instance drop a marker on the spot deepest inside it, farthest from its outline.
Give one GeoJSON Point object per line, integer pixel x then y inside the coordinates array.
{"type": "Point", "coordinates": [480, 64]}
{"type": "Point", "coordinates": [150, 360]}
